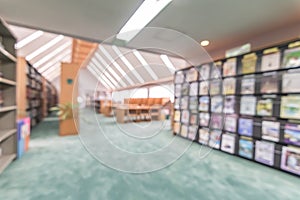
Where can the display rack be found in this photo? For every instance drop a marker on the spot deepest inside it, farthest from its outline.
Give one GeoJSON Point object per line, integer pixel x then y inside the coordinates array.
{"type": "Point", "coordinates": [248, 105]}
{"type": "Point", "coordinates": [8, 136]}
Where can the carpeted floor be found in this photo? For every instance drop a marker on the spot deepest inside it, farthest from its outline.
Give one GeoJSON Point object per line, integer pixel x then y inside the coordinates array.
{"type": "Point", "coordinates": [61, 168]}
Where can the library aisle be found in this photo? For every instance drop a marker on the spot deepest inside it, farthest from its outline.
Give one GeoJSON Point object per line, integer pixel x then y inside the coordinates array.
{"type": "Point", "coordinates": [61, 168]}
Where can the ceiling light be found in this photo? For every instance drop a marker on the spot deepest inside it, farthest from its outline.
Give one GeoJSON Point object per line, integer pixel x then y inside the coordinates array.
{"type": "Point", "coordinates": [142, 16]}
{"type": "Point", "coordinates": [204, 43]}
{"type": "Point", "coordinates": [44, 47]}
{"type": "Point", "coordinates": [145, 64]}
{"type": "Point", "coordinates": [168, 63]}
{"type": "Point", "coordinates": [29, 39]}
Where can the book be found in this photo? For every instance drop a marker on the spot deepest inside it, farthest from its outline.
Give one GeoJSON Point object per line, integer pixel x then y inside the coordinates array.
{"type": "Point", "coordinates": [203, 88]}
{"type": "Point", "coordinates": [194, 89]}
{"type": "Point", "coordinates": [185, 116]}
{"type": "Point", "coordinates": [193, 119]}
{"type": "Point", "coordinates": [248, 84]}
{"type": "Point", "coordinates": [290, 107]}
{"type": "Point", "coordinates": [264, 152]}
{"type": "Point", "coordinates": [216, 70]}
{"type": "Point", "coordinates": [177, 90]}
{"type": "Point", "coordinates": [216, 121]}
{"type": "Point", "coordinates": [179, 77]}
{"type": "Point", "coordinates": [229, 86]}
{"type": "Point", "coordinates": [176, 103]}
{"type": "Point", "coordinates": [230, 123]}
{"type": "Point", "coordinates": [184, 103]}
{"type": "Point", "coordinates": [192, 132]}
{"type": "Point", "coordinates": [192, 75]}
{"type": "Point", "coordinates": [270, 130]}
{"type": "Point", "coordinates": [215, 87]}
{"type": "Point", "coordinates": [292, 134]}
{"type": "Point", "coordinates": [204, 72]}
{"type": "Point", "coordinates": [269, 83]}
{"type": "Point", "coordinates": [245, 127]}
{"type": "Point", "coordinates": [249, 63]}
{"type": "Point", "coordinates": [204, 103]}
{"type": "Point", "coordinates": [229, 105]}
{"type": "Point", "coordinates": [264, 107]}
{"type": "Point", "coordinates": [203, 136]}
{"type": "Point", "coordinates": [216, 104]}
{"type": "Point", "coordinates": [176, 128]}
{"type": "Point", "coordinates": [228, 143]}
{"type": "Point", "coordinates": [246, 147]}
{"type": "Point", "coordinates": [185, 89]}
{"type": "Point", "coordinates": [290, 159]}
{"type": "Point", "coordinates": [291, 82]}
{"type": "Point", "coordinates": [248, 105]}
{"type": "Point", "coordinates": [204, 118]}
{"type": "Point", "coordinates": [229, 67]}
{"type": "Point", "coordinates": [215, 139]}
{"type": "Point", "coordinates": [193, 105]}
{"type": "Point", "coordinates": [177, 115]}
{"type": "Point", "coordinates": [291, 58]}
{"type": "Point", "coordinates": [184, 130]}
{"type": "Point", "coordinates": [270, 62]}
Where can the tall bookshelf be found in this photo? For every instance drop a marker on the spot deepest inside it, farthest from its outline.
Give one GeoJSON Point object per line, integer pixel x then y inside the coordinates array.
{"type": "Point", "coordinates": [8, 136]}
{"type": "Point", "coordinates": [247, 106]}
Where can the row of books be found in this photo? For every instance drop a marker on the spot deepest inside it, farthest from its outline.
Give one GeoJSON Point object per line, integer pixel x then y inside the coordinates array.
{"type": "Point", "coordinates": [284, 157]}
{"type": "Point", "coordinates": [267, 83]}
{"type": "Point", "coordinates": [270, 60]}
{"type": "Point", "coordinates": [281, 131]}
{"type": "Point", "coordinates": [286, 107]}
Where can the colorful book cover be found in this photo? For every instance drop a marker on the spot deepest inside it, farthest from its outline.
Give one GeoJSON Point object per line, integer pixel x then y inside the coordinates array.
{"type": "Point", "coordinates": [216, 71]}
{"type": "Point", "coordinates": [179, 77]}
{"type": "Point", "coordinates": [215, 87]}
{"type": "Point", "coordinates": [230, 123]}
{"type": "Point", "coordinates": [290, 159]}
{"type": "Point", "coordinates": [270, 62]}
{"type": "Point", "coordinates": [193, 105]}
{"type": "Point", "coordinates": [269, 83]}
{"type": "Point", "coordinates": [291, 58]}
{"type": "Point", "coordinates": [264, 107]}
{"type": "Point", "coordinates": [203, 87]}
{"type": "Point", "coordinates": [249, 63]}
{"type": "Point", "coordinates": [248, 85]}
{"type": "Point", "coordinates": [229, 105]}
{"type": "Point", "coordinates": [216, 121]}
{"type": "Point", "coordinates": [291, 82]}
{"type": "Point", "coordinates": [246, 148]}
{"type": "Point", "coordinates": [204, 103]}
{"type": "Point", "coordinates": [264, 152]}
{"type": "Point", "coordinates": [229, 67]}
{"type": "Point", "coordinates": [217, 104]}
{"type": "Point", "coordinates": [229, 86]}
{"type": "Point", "coordinates": [177, 90]}
{"type": "Point", "coordinates": [185, 116]}
{"type": "Point", "coordinates": [215, 139]}
{"type": "Point", "coordinates": [245, 127]}
{"type": "Point", "coordinates": [204, 118]}
{"type": "Point", "coordinates": [292, 134]}
{"type": "Point", "coordinates": [228, 143]}
{"type": "Point", "coordinates": [248, 105]}
{"type": "Point", "coordinates": [203, 136]}
{"type": "Point", "coordinates": [177, 115]}
{"type": "Point", "coordinates": [192, 75]}
{"type": "Point", "coordinates": [204, 72]}
{"type": "Point", "coordinates": [193, 119]}
{"type": "Point", "coordinates": [290, 107]}
{"type": "Point", "coordinates": [192, 132]}
{"type": "Point", "coordinates": [270, 130]}
{"type": "Point", "coordinates": [194, 89]}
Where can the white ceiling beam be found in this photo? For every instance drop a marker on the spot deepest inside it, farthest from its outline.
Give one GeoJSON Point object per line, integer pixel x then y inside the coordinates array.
{"type": "Point", "coordinates": [110, 81]}
{"type": "Point", "coordinates": [145, 64]}
{"type": "Point", "coordinates": [93, 71]}
{"type": "Point", "coordinates": [168, 63]}
{"type": "Point", "coordinates": [29, 39]}
{"type": "Point", "coordinates": [56, 59]}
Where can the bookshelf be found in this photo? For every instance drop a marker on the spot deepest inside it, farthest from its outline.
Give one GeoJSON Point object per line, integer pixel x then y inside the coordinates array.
{"type": "Point", "coordinates": [247, 106]}
{"type": "Point", "coordinates": [8, 132]}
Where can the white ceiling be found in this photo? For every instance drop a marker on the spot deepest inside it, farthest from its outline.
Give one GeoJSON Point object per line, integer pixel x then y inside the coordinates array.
{"type": "Point", "coordinates": [225, 23]}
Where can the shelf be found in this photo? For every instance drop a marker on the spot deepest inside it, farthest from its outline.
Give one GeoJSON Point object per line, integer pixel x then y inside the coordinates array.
{"type": "Point", "coordinates": [7, 82]}
{"type": "Point", "coordinates": [8, 108]}
{"type": "Point", "coordinates": [5, 55]}
{"type": "Point", "coordinates": [5, 160]}
{"type": "Point", "coordinates": [6, 133]}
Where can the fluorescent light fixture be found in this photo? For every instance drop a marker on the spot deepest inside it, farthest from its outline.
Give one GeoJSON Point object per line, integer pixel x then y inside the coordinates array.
{"type": "Point", "coordinates": [117, 66]}
{"type": "Point", "coordinates": [55, 60]}
{"type": "Point", "coordinates": [101, 74]}
{"type": "Point", "coordinates": [204, 43]}
{"type": "Point", "coordinates": [52, 54]}
{"type": "Point", "coordinates": [29, 39]}
{"type": "Point", "coordinates": [44, 47]}
{"type": "Point", "coordinates": [106, 67]}
{"type": "Point", "coordinates": [168, 63]}
{"type": "Point", "coordinates": [145, 64]}
{"type": "Point", "coordinates": [128, 64]}
{"type": "Point", "coordinates": [142, 16]}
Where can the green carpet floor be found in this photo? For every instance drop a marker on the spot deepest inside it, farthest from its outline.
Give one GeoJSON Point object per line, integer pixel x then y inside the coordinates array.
{"type": "Point", "coordinates": [61, 168]}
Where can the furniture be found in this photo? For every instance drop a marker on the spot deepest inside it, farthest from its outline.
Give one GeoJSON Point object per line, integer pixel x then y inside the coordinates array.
{"type": "Point", "coordinates": [8, 131]}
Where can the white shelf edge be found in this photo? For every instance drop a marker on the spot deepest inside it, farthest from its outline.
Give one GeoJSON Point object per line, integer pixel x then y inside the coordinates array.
{"type": "Point", "coordinates": [6, 133]}
{"type": "Point", "coordinates": [5, 160]}
{"type": "Point", "coordinates": [8, 82]}
{"type": "Point", "coordinates": [7, 54]}
{"type": "Point", "coordinates": [8, 108]}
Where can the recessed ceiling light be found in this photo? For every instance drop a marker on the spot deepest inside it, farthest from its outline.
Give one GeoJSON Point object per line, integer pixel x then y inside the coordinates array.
{"type": "Point", "coordinates": [204, 43]}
